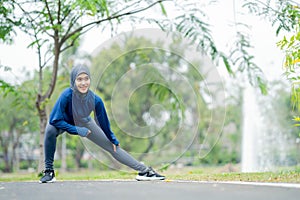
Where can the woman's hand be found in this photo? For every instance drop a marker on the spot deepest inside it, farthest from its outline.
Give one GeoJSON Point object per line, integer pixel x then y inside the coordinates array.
{"type": "Point", "coordinates": [89, 132]}
{"type": "Point", "coordinates": [115, 147]}
{"type": "Point", "coordinates": [83, 131]}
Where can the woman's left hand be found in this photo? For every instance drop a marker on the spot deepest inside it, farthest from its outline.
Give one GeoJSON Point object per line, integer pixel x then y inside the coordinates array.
{"type": "Point", "coordinates": [115, 147]}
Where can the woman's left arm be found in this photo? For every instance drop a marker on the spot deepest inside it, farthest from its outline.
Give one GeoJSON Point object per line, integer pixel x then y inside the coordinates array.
{"type": "Point", "coordinates": [102, 120]}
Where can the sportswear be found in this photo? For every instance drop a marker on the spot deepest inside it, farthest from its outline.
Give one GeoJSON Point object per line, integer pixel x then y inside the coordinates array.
{"type": "Point", "coordinates": [149, 175]}
{"type": "Point", "coordinates": [48, 177]}
{"type": "Point", "coordinates": [64, 117]}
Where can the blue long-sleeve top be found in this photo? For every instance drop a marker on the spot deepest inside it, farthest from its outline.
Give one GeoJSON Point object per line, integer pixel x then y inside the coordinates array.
{"type": "Point", "coordinates": [64, 117]}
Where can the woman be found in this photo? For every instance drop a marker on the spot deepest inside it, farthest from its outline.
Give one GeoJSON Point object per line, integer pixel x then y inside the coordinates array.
{"type": "Point", "coordinates": [71, 113]}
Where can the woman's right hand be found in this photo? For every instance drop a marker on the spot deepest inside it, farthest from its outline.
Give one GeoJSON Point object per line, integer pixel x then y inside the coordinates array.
{"type": "Point", "coordinates": [82, 131]}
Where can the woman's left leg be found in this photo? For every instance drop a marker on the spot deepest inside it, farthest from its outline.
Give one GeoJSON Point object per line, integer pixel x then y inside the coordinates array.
{"type": "Point", "coordinates": [98, 137]}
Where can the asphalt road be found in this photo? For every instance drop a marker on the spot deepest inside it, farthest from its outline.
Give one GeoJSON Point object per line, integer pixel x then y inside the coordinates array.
{"type": "Point", "coordinates": [155, 190]}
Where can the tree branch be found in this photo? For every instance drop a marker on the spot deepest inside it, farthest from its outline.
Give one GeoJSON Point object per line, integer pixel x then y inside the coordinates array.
{"type": "Point", "coordinates": [49, 13]}
{"type": "Point", "coordinates": [58, 12]}
{"type": "Point", "coordinates": [110, 18]}
{"type": "Point", "coordinates": [72, 22]}
{"type": "Point", "coordinates": [72, 43]}
{"type": "Point", "coordinates": [128, 6]}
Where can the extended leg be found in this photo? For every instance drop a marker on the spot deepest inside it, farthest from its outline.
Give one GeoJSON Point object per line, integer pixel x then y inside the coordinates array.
{"type": "Point", "coordinates": [98, 137]}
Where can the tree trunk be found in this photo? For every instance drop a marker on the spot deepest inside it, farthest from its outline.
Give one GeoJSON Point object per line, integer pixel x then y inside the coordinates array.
{"type": "Point", "coordinates": [78, 156]}
{"type": "Point", "coordinates": [15, 150]}
{"type": "Point", "coordinates": [63, 167]}
{"type": "Point", "coordinates": [42, 99]}
{"type": "Point", "coordinates": [43, 123]}
{"type": "Point", "coordinates": [7, 166]}
{"type": "Point", "coordinates": [4, 140]}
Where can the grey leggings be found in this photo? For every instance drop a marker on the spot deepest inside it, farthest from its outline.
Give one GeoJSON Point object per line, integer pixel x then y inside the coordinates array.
{"type": "Point", "coordinates": [98, 137]}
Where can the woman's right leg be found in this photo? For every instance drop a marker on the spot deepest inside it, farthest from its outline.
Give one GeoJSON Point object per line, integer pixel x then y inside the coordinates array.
{"type": "Point", "coordinates": [51, 134]}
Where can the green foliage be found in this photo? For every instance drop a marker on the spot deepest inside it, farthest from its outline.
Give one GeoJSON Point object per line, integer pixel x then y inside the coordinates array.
{"type": "Point", "coordinates": [191, 22]}
{"type": "Point", "coordinates": [292, 63]}
{"type": "Point", "coordinates": [282, 14]}
{"type": "Point", "coordinates": [285, 16]}
{"type": "Point", "coordinates": [239, 56]}
{"type": "Point", "coordinates": [157, 90]}
{"type": "Point", "coordinates": [55, 26]}
{"type": "Point", "coordinates": [296, 119]}
{"type": "Point", "coordinates": [7, 23]}
{"type": "Point", "coordinates": [291, 47]}
{"type": "Point", "coordinates": [6, 88]}
{"type": "Point", "coordinates": [16, 119]}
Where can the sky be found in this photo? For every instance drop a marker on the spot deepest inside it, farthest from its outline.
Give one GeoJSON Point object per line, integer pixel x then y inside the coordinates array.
{"type": "Point", "coordinates": [221, 15]}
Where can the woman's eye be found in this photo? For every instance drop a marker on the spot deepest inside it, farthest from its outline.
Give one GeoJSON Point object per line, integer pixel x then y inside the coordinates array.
{"type": "Point", "coordinates": [83, 79]}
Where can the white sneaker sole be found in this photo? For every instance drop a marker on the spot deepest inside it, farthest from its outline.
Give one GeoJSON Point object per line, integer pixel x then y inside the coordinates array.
{"type": "Point", "coordinates": [144, 178]}
{"type": "Point", "coordinates": [52, 181]}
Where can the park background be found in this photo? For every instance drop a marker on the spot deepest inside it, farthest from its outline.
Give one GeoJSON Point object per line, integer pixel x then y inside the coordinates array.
{"type": "Point", "coordinates": [277, 147]}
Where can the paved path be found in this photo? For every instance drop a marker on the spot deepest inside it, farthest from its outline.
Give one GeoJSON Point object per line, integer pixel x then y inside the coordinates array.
{"type": "Point", "coordinates": [156, 190]}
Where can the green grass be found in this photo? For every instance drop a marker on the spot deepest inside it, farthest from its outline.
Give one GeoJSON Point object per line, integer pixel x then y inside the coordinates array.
{"type": "Point", "coordinates": [286, 177]}
{"type": "Point", "coordinates": [192, 174]}
{"type": "Point", "coordinates": [80, 175]}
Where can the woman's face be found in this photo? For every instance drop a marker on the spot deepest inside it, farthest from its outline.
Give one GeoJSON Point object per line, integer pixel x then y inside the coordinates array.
{"type": "Point", "coordinates": [82, 83]}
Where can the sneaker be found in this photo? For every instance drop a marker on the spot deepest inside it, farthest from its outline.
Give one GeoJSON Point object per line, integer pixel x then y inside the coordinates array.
{"type": "Point", "coordinates": [150, 175]}
{"type": "Point", "coordinates": [49, 176]}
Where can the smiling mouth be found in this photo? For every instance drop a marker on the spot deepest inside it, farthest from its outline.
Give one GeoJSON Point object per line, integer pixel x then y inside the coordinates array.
{"type": "Point", "coordinates": [83, 88]}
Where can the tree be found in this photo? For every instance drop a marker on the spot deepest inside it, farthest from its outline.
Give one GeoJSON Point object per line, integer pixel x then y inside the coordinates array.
{"type": "Point", "coordinates": [285, 17]}
{"type": "Point", "coordinates": [15, 123]}
{"type": "Point", "coordinates": [56, 25]}
{"type": "Point", "coordinates": [154, 109]}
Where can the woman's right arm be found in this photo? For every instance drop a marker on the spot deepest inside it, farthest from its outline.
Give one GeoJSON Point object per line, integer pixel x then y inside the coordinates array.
{"type": "Point", "coordinates": [57, 118]}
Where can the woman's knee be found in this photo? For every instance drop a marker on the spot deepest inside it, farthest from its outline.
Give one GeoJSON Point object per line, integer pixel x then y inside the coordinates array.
{"type": "Point", "coordinates": [51, 132]}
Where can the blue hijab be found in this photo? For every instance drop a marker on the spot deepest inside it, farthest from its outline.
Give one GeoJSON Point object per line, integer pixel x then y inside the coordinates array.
{"type": "Point", "coordinates": [82, 103]}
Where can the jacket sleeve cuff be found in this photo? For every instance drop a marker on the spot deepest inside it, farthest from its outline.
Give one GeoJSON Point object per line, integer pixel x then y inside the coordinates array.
{"type": "Point", "coordinates": [82, 131]}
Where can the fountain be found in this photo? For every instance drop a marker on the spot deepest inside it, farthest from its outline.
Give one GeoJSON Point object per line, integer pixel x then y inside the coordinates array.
{"type": "Point", "coordinates": [251, 129]}
{"type": "Point", "coordinates": [265, 143]}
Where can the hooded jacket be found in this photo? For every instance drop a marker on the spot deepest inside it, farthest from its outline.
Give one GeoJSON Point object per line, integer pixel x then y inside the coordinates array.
{"type": "Point", "coordinates": [72, 109]}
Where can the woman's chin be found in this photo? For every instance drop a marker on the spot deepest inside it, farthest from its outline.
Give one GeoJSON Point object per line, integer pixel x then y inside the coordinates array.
{"type": "Point", "coordinates": [83, 91]}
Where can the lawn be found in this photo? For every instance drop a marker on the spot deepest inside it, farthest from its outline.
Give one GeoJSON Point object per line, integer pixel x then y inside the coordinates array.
{"type": "Point", "coordinates": [187, 173]}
